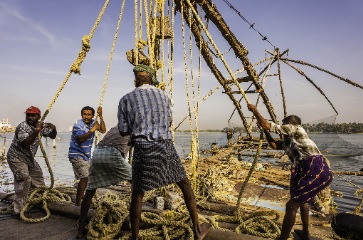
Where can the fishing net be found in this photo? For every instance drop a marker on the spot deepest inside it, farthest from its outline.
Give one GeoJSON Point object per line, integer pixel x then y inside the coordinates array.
{"type": "Point", "coordinates": [333, 138]}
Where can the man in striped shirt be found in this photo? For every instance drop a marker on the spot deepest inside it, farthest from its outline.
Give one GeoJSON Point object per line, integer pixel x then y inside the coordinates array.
{"type": "Point", "coordinates": [145, 114]}
{"type": "Point", "coordinates": [310, 175]}
{"type": "Point", "coordinates": [80, 147]}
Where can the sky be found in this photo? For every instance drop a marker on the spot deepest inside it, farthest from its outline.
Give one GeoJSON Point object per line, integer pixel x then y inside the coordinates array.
{"type": "Point", "coordinates": [40, 39]}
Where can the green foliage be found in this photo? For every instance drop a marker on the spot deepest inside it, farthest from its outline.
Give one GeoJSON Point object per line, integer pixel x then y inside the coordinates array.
{"type": "Point", "coordinates": [334, 128]}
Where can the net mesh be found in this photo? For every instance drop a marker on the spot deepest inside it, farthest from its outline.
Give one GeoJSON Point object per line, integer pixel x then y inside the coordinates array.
{"type": "Point", "coordinates": [331, 138]}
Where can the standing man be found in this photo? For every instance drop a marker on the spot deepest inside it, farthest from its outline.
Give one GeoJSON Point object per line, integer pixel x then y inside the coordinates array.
{"type": "Point", "coordinates": [145, 114]}
{"type": "Point", "coordinates": [20, 156]}
{"type": "Point", "coordinates": [108, 167]}
{"type": "Point", "coordinates": [79, 154]}
{"type": "Point", "coordinates": [310, 175]}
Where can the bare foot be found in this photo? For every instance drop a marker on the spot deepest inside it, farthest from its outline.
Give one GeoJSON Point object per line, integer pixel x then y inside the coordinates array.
{"type": "Point", "coordinates": [203, 230]}
{"type": "Point", "coordinates": [302, 234]}
{"type": "Point", "coordinates": [81, 234]}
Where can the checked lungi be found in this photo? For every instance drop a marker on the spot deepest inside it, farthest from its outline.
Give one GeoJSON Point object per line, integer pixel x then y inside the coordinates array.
{"type": "Point", "coordinates": [308, 178]}
{"type": "Point", "coordinates": [108, 167]}
{"type": "Point", "coordinates": [155, 164]}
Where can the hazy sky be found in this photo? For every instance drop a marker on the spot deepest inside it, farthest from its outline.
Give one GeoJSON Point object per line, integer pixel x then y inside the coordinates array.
{"type": "Point", "coordinates": [40, 39]}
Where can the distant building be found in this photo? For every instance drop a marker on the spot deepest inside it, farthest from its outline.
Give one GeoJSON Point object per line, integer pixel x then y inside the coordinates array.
{"type": "Point", "coordinates": [5, 125]}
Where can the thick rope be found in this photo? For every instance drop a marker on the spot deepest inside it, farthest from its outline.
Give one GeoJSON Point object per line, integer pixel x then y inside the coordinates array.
{"type": "Point", "coordinates": [148, 34]}
{"type": "Point", "coordinates": [188, 98]}
{"type": "Point", "coordinates": [43, 195]}
{"type": "Point", "coordinates": [250, 172]}
{"type": "Point", "coordinates": [323, 70]}
{"type": "Point", "coordinates": [210, 93]}
{"type": "Point", "coordinates": [111, 212]}
{"type": "Point", "coordinates": [259, 95]}
{"type": "Point", "coordinates": [280, 80]}
{"type": "Point", "coordinates": [256, 224]}
{"type": "Point", "coordinates": [171, 10]}
{"type": "Point", "coordinates": [75, 68]}
{"type": "Point", "coordinates": [161, 4]}
{"type": "Point", "coordinates": [136, 31]}
{"type": "Point", "coordinates": [112, 52]}
{"type": "Point", "coordinates": [218, 51]}
{"type": "Point", "coordinates": [311, 81]}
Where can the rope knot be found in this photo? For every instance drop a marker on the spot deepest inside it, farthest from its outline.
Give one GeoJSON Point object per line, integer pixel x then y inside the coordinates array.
{"type": "Point", "coordinates": [86, 46]}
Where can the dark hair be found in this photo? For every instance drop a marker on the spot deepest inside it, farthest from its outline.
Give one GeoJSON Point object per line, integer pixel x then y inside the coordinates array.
{"type": "Point", "coordinates": [292, 119]}
{"type": "Point", "coordinates": [88, 108]}
{"type": "Point", "coordinates": [149, 76]}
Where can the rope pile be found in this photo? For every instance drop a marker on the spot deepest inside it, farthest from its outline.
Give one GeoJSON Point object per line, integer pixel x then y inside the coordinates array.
{"type": "Point", "coordinates": [256, 224]}
{"type": "Point", "coordinates": [111, 212]}
{"type": "Point", "coordinates": [43, 195]}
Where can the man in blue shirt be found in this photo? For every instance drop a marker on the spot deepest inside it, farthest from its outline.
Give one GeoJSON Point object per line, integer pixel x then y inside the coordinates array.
{"type": "Point", "coordinates": [79, 154]}
{"type": "Point", "coordinates": [145, 114]}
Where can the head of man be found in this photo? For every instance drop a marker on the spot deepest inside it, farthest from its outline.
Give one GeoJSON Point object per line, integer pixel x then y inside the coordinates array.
{"type": "Point", "coordinates": [292, 119]}
{"type": "Point", "coordinates": [144, 75]}
{"type": "Point", "coordinates": [32, 115]}
{"type": "Point", "coordinates": [87, 114]}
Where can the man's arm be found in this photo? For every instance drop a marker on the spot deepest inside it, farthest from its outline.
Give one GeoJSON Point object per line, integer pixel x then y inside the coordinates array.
{"type": "Point", "coordinates": [122, 124]}
{"type": "Point", "coordinates": [263, 122]}
{"type": "Point", "coordinates": [273, 143]}
{"type": "Point", "coordinates": [31, 138]}
{"type": "Point", "coordinates": [102, 128]}
{"type": "Point", "coordinates": [53, 133]}
{"type": "Point", "coordinates": [84, 137]}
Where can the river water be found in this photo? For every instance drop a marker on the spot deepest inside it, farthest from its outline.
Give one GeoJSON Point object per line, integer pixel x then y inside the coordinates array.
{"type": "Point", "coordinates": [339, 149]}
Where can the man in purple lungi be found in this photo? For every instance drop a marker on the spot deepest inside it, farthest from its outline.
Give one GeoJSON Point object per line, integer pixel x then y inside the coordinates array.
{"type": "Point", "coordinates": [145, 114]}
{"type": "Point", "coordinates": [310, 175]}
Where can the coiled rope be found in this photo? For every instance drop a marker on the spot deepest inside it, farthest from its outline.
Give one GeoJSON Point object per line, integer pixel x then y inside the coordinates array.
{"type": "Point", "coordinates": [111, 212]}
{"type": "Point", "coordinates": [44, 194]}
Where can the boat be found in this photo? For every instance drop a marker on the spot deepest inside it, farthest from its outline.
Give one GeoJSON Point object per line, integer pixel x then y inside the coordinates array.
{"type": "Point", "coordinates": [5, 126]}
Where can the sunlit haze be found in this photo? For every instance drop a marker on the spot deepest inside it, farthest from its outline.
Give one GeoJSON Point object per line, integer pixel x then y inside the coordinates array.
{"type": "Point", "coordinates": [40, 39]}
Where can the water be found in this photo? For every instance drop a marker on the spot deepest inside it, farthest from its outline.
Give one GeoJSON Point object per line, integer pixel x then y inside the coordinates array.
{"type": "Point", "coordinates": [344, 144]}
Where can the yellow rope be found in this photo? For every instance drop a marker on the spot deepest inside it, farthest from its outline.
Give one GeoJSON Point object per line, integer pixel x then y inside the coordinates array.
{"type": "Point", "coordinates": [111, 212]}
{"type": "Point", "coordinates": [280, 80]}
{"type": "Point", "coordinates": [43, 195]}
{"type": "Point", "coordinates": [311, 81]}
{"type": "Point", "coordinates": [112, 52]}
{"type": "Point", "coordinates": [75, 67]}
{"type": "Point", "coordinates": [171, 63]}
{"type": "Point", "coordinates": [49, 194]}
{"type": "Point", "coordinates": [193, 138]}
{"type": "Point", "coordinates": [359, 193]}
{"type": "Point", "coordinates": [148, 34]}
{"type": "Point", "coordinates": [255, 224]}
{"type": "Point", "coordinates": [161, 4]}
{"type": "Point", "coordinates": [250, 172]}
{"type": "Point", "coordinates": [136, 31]}
{"type": "Point", "coordinates": [218, 51]}
{"type": "Point", "coordinates": [262, 84]}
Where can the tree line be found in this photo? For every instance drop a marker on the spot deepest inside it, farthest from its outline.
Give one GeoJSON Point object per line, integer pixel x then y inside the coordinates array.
{"type": "Point", "coordinates": [315, 128]}
{"type": "Point", "coordinates": [334, 128]}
